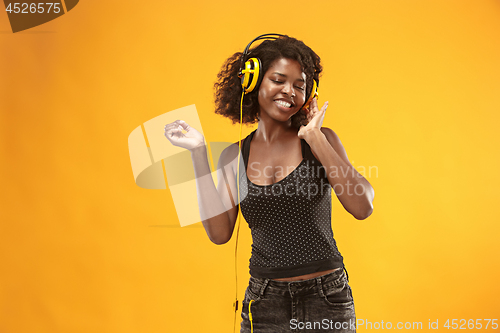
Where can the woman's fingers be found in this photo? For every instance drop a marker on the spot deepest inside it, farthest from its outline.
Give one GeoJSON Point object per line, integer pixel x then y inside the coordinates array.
{"type": "Point", "coordinates": [177, 123]}
{"type": "Point", "coordinates": [180, 134]}
{"type": "Point", "coordinates": [174, 131]}
{"type": "Point", "coordinates": [172, 126]}
{"type": "Point", "coordinates": [173, 135]}
{"type": "Point", "coordinates": [325, 106]}
{"type": "Point", "coordinates": [184, 125]}
{"type": "Point", "coordinates": [316, 115]}
{"type": "Point", "coordinates": [316, 110]}
{"type": "Point", "coordinates": [313, 109]}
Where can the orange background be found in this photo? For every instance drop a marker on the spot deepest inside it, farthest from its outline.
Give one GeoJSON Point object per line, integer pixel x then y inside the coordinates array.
{"type": "Point", "coordinates": [413, 88]}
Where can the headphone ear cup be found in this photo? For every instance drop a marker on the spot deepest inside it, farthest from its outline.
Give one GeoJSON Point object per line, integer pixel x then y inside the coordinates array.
{"type": "Point", "coordinates": [260, 75]}
{"type": "Point", "coordinates": [252, 75]}
{"type": "Point", "coordinates": [314, 93]}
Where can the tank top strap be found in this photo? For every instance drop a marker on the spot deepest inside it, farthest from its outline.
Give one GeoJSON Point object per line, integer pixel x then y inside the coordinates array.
{"type": "Point", "coordinates": [245, 148]}
{"type": "Point", "coordinates": [306, 150]}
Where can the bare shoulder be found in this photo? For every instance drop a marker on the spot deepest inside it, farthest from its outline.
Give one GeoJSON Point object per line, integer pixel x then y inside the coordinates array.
{"type": "Point", "coordinates": [331, 136]}
{"type": "Point", "coordinates": [229, 155]}
{"type": "Point", "coordinates": [335, 142]}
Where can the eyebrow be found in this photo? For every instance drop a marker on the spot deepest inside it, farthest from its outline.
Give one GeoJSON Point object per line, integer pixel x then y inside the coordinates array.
{"type": "Point", "coordinates": [281, 74]}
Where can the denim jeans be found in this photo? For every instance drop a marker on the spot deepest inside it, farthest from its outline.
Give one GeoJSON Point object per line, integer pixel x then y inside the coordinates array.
{"type": "Point", "coordinates": [322, 304]}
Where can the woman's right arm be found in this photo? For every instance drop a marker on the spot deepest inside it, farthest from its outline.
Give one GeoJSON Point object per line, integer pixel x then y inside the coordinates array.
{"type": "Point", "coordinates": [217, 206]}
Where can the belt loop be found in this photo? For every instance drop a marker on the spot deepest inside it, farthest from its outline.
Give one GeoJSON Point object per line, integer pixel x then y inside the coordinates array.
{"type": "Point", "coordinates": [320, 286]}
{"type": "Point", "coordinates": [264, 285]}
{"type": "Point", "coordinates": [346, 274]}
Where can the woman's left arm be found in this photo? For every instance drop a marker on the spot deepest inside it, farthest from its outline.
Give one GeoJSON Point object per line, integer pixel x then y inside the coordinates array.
{"type": "Point", "coordinates": [353, 190]}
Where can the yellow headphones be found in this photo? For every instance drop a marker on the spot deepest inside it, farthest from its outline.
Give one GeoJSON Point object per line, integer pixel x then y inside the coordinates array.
{"type": "Point", "coordinates": [251, 73]}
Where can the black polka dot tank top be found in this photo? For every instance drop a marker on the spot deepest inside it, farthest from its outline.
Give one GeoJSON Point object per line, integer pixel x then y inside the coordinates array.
{"type": "Point", "coordinates": [290, 220]}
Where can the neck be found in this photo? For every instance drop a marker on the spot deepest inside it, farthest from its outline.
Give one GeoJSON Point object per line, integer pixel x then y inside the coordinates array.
{"type": "Point", "coordinates": [270, 130]}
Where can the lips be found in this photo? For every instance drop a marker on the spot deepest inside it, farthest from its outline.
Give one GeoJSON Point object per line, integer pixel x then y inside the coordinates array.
{"type": "Point", "coordinates": [284, 103]}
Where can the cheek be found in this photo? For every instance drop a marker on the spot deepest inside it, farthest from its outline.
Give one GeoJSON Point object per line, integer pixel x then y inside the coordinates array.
{"type": "Point", "coordinates": [263, 95]}
{"type": "Point", "coordinates": [301, 101]}
{"type": "Point", "coordinates": [260, 96]}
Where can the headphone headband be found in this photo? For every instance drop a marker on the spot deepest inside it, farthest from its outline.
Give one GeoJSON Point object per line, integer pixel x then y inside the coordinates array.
{"type": "Point", "coordinates": [245, 53]}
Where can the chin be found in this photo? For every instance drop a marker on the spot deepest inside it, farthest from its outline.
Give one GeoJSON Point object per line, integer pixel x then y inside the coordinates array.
{"type": "Point", "coordinates": [284, 119]}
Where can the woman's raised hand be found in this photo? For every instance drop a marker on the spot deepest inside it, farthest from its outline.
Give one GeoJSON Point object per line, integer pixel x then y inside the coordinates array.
{"type": "Point", "coordinates": [314, 118]}
{"type": "Point", "coordinates": [180, 134]}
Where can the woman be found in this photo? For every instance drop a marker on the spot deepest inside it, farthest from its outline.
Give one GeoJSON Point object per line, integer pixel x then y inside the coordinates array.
{"type": "Point", "coordinates": [292, 163]}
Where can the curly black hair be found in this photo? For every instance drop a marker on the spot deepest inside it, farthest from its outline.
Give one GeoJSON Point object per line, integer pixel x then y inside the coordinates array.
{"type": "Point", "coordinates": [228, 86]}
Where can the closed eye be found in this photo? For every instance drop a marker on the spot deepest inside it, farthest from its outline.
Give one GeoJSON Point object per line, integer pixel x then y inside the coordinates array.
{"type": "Point", "coordinates": [281, 82]}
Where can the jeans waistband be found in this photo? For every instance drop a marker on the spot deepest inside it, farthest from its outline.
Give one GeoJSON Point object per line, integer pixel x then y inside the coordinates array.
{"type": "Point", "coordinates": [261, 286]}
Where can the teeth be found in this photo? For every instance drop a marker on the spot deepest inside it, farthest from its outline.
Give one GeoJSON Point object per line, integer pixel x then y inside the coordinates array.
{"type": "Point", "coordinates": [283, 103]}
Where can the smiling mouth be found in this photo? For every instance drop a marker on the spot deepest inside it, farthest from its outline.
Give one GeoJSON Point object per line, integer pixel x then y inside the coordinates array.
{"type": "Point", "coordinates": [284, 104]}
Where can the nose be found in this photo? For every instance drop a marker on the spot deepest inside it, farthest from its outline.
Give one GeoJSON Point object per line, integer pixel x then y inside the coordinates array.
{"type": "Point", "coordinates": [288, 89]}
